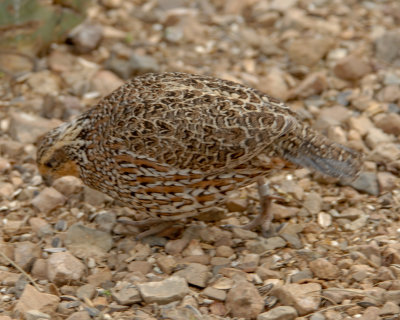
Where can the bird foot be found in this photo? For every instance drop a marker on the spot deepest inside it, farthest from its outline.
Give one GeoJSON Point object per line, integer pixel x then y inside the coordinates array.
{"type": "Point", "coordinates": [264, 218]}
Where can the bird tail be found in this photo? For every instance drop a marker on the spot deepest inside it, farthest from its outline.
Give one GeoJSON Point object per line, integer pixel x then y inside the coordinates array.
{"type": "Point", "coordinates": [311, 149]}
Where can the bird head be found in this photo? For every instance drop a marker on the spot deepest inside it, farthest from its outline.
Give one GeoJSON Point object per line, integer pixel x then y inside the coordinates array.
{"type": "Point", "coordinates": [54, 151]}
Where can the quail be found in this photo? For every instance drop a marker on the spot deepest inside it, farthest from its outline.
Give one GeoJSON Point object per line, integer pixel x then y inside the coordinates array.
{"type": "Point", "coordinates": [175, 144]}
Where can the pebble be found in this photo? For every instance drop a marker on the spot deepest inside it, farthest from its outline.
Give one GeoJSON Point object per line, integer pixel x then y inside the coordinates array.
{"type": "Point", "coordinates": [312, 203]}
{"type": "Point", "coordinates": [390, 308]}
{"type": "Point", "coordinates": [171, 289]}
{"type": "Point", "coordinates": [143, 267]}
{"type": "Point", "coordinates": [387, 181]}
{"type": "Point", "coordinates": [236, 205]}
{"type": "Point", "coordinates": [249, 262]}
{"type": "Point", "coordinates": [36, 315]}
{"type": "Point", "coordinates": [80, 315]}
{"type": "Point", "coordinates": [87, 291]}
{"type": "Point", "coordinates": [279, 313]}
{"type": "Point", "coordinates": [324, 269]}
{"type": "Point", "coordinates": [87, 241]}
{"type": "Point", "coordinates": [86, 37]}
{"type": "Point", "coordinates": [312, 85]}
{"type": "Point", "coordinates": [48, 199]}
{"type": "Point", "coordinates": [166, 263]}
{"type": "Point", "coordinates": [126, 294]}
{"type": "Point", "coordinates": [305, 298]}
{"type": "Point", "coordinates": [195, 274]}
{"type": "Point", "coordinates": [215, 294]}
{"type": "Point", "coordinates": [105, 82]}
{"type": "Point", "coordinates": [25, 254]}
{"type": "Point", "coordinates": [40, 226]}
{"type": "Point", "coordinates": [31, 299]}
{"type": "Point", "coordinates": [309, 51]}
{"type": "Point", "coordinates": [387, 47]}
{"type": "Point", "coordinates": [224, 251]}
{"type": "Point", "coordinates": [389, 123]}
{"type": "Point", "coordinates": [63, 267]}
{"type": "Point", "coordinates": [244, 301]}
{"type": "Point", "coordinates": [68, 185]}
{"type": "Point", "coordinates": [243, 233]}
{"type": "Point", "coordinates": [261, 245]}
{"type": "Point", "coordinates": [352, 68]}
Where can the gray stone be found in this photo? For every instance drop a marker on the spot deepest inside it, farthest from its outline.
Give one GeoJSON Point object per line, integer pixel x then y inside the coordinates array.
{"type": "Point", "coordinates": [48, 199]}
{"type": "Point", "coordinates": [196, 274]}
{"type": "Point", "coordinates": [63, 267]}
{"type": "Point", "coordinates": [86, 37]}
{"type": "Point", "coordinates": [261, 245]}
{"type": "Point", "coordinates": [162, 292]}
{"type": "Point", "coordinates": [126, 294]}
{"type": "Point", "coordinates": [387, 47]}
{"type": "Point", "coordinates": [215, 294]}
{"type": "Point", "coordinates": [279, 313]}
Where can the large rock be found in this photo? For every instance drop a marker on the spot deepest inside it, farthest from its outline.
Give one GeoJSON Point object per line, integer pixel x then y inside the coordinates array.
{"type": "Point", "coordinates": [305, 298]}
{"type": "Point", "coordinates": [48, 200]}
{"type": "Point", "coordinates": [244, 301]}
{"type": "Point", "coordinates": [63, 267]}
{"type": "Point", "coordinates": [32, 299]}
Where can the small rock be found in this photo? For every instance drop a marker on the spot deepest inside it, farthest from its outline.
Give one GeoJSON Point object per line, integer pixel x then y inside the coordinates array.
{"type": "Point", "coordinates": [42, 82]}
{"type": "Point", "coordinates": [143, 267]}
{"type": "Point", "coordinates": [87, 291]}
{"type": "Point", "coordinates": [87, 242]}
{"type": "Point", "coordinates": [312, 203]}
{"type": "Point", "coordinates": [48, 199]}
{"type": "Point", "coordinates": [236, 205]}
{"type": "Point", "coordinates": [309, 51]}
{"type": "Point", "coordinates": [175, 247]}
{"type": "Point", "coordinates": [106, 221]}
{"type": "Point", "coordinates": [215, 294]}
{"type": "Point", "coordinates": [376, 137]}
{"type": "Point", "coordinates": [193, 249]}
{"type": "Point", "coordinates": [195, 274]}
{"type": "Point", "coordinates": [390, 123]}
{"type": "Point", "coordinates": [86, 37]}
{"type": "Point", "coordinates": [324, 269]}
{"type": "Point", "coordinates": [32, 299]}
{"type": "Point", "coordinates": [63, 267]}
{"type": "Point", "coordinates": [351, 68]}
{"type": "Point", "coordinates": [94, 197]}
{"type": "Point", "coordinates": [312, 85]}
{"type": "Point", "coordinates": [279, 313]}
{"type": "Point", "coordinates": [224, 251]}
{"type": "Point", "coordinates": [101, 276]}
{"type": "Point", "coordinates": [305, 298]}
{"type": "Point", "coordinates": [301, 275]}
{"type": "Point", "coordinates": [265, 273]}
{"type": "Point", "coordinates": [25, 253]}
{"type": "Point", "coordinates": [386, 181]}
{"type": "Point", "coordinates": [261, 245]}
{"type": "Point", "coordinates": [162, 292]}
{"type": "Point", "coordinates": [387, 47]}
{"type": "Point", "coordinates": [166, 264]}
{"type": "Point", "coordinates": [243, 233]}
{"type": "Point", "coordinates": [36, 315]}
{"type": "Point", "coordinates": [39, 269]}
{"type": "Point", "coordinates": [4, 165]}
{"type": "Point", "coordinates": [390, 308]}
{"type": "Point", "coordinates": [80, 315]}
{"type": "Point", "coordinates": [324, 219]}
{"type": "Point", "coordinates": [361, 124]}
{"type": "Point", "coordinates": [274, 84]}
{"type": "Point", "coordinates": [40, 227]}
{"type": "Point", "coordinates": [105, 82]}
{"type": "Point", "coordinates": [68, 185]}
{"type": "Point", "coordinates": [249, 262]}
{"type": "Point", "coordinates": [244, 301]}
{"type": "Point", "coordinates": [126, 294]}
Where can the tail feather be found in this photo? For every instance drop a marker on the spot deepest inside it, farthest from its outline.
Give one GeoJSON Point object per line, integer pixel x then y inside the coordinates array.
{"type": "Point", "coordinates": [314, 151]}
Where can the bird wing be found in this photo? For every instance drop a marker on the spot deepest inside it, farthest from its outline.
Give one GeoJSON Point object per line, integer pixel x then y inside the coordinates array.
{"type": "Point", "coordinates": [195, 122]}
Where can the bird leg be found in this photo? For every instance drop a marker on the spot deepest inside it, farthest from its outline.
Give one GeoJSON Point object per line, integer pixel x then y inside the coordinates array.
{"type": "Point", "coordinates": [265, 216]}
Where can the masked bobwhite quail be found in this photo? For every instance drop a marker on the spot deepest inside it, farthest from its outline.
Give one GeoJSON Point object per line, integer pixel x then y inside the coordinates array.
{"type": "Point", "coordinates": [175, 144]}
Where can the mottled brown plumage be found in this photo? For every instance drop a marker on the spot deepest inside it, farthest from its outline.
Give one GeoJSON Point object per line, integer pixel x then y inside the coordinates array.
{"type": "Point", "coordinates": [175, 144]}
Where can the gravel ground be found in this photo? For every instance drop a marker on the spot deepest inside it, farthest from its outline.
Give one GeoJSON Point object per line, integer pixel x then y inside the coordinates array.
{"type": "Point", "coordinates": [333, 253]}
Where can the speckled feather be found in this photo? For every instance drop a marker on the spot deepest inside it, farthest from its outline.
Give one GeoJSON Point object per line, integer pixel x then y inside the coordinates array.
{"type": "Point", "coordinates": [174, 143]}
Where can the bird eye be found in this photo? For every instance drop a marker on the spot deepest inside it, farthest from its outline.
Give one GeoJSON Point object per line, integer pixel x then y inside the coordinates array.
{"type": "Point", "coordinates": [48, 164]}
